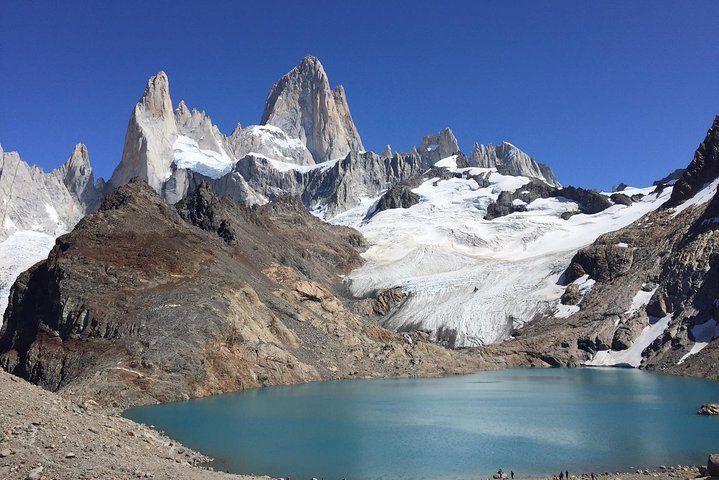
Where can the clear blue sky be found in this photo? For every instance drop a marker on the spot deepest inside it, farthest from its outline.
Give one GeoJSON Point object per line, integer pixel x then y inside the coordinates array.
{"type": "Point", "coordinates": [603, 91]}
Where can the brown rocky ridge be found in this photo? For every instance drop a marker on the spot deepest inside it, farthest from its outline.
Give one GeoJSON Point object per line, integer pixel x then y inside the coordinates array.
{"type": "Point", "coordinates": [145, 302]}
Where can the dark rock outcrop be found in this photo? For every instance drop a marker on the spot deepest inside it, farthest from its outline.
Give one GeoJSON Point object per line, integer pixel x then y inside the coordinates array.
{"type": "Point", "coordinates": [436, 147]}
{"type": "Point", "coordinates": [400, 195]}
{"type": "Point", "coordinates": [589, 201]}
{"type": "Point", "coordinates": [703, 168]}
{"type": "Point", "coordinates": [503, 206]}
{"type": "Point", "coordinates": [713, 465]}
{"type": "Point", "coordinates": [571, 295]}
{"type": "Point", "coordinates": [143, 302]}
{"type": "Point", "coordinates": [621, 199]}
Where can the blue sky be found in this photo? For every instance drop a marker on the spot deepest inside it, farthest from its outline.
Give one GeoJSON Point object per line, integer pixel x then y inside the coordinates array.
{"type": "Point", "coordinates": [603, 91]}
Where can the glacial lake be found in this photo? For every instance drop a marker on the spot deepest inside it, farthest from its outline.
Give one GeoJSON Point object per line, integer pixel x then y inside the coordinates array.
{"type": "Point", "coordinates": [531, 421]}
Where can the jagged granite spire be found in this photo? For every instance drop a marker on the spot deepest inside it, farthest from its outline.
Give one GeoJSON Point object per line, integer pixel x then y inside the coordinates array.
{"type": "Point", "coordinates": [302, 104]}
{"type": "Point", "coordinates": [151, 131]}
{"type": "Point", "coordinates": [510, 160]}
{"type": "Point", "coordinates": [76, 174]}
{"type": "Point", "coordinates": [438, 146]}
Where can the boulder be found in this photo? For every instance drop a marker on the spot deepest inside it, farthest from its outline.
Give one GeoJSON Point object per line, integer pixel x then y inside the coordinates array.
{"type": "Point", "coordinates": [713, 465]}
{"type": "Point", "coordinates": [571, 295]}
{"type": "Point", "coordinates": [621, 199]}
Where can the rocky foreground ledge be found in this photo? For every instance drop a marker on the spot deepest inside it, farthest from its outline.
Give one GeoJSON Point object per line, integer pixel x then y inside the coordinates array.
{"type": "Point", "coordinates": [44, 436]}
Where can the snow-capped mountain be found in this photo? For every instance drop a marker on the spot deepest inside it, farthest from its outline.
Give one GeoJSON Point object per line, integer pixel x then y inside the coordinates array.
{"type": "Point", "coordinates": [477, 244]}
{"type": "Point", "coordinates": [37, 207]}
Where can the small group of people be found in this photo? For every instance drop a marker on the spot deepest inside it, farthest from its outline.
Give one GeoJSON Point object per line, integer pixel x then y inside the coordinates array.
{"type": "Point", "coordinates": [562, 475]}
{"type": "Point", "coordinates": [501, 474]}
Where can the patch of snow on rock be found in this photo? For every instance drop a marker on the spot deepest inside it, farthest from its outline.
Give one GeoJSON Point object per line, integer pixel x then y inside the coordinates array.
{"type": "Point", "coordinates": [188, 154]}
{"type": "Point", "coordinates": [640, 300]}
{"type": "Point", "coordinates": [703, 334]}
{"type": "Point", "coordinates": [632, 357]}
{"type": "Point", "coordinates": [702, 196]}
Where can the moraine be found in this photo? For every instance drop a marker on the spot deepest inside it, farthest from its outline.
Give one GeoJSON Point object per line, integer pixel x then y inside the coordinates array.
{"type": "Point", "coordinates": [530, 421]}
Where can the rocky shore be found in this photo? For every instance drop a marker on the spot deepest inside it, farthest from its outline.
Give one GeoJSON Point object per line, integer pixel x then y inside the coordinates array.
{"type": "Point", "coordinates": [668, 472]}
{"type": "Point", "coordinates": [46, 436]}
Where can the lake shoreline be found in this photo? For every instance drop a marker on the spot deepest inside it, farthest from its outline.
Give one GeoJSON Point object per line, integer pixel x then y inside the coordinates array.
{"type": "Point", "coordinates": [70, 440]}
{"type": "Point", "coordinates": [596, 446]}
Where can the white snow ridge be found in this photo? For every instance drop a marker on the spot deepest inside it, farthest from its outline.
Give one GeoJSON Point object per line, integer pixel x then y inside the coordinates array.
{"type": "Point", "coordinates": [477, 279]}
{"type": "Point", "coordinates": [188, 154]}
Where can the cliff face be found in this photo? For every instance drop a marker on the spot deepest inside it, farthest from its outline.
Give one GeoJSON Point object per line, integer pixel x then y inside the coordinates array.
{"type": "Point", "coordinates": [303, 105]}
{"type": "Point", "coordinates": [33, 200]}
{"type": "Point", "coordinates": [145, 302]}
{"type": "Point", "coordinates": [510, 160]}
{"type": "Point", "coordinates": [151, 131]}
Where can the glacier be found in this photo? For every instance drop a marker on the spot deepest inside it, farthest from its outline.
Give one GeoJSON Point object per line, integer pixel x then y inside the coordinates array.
{"type": "Point", "coordinates": [471, 280]}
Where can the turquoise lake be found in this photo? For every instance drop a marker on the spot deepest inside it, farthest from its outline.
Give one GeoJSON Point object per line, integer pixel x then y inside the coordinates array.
{"type": "Point", "coordinates": [531, 421]}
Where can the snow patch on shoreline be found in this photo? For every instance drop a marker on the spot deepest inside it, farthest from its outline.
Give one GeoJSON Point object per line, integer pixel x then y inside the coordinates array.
{"type": "Point", "coordinates": [631, 357]}
{"type": "Point", "coordinates": [703, 334]}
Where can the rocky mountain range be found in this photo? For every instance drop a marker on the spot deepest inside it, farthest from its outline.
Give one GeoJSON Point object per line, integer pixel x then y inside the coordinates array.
{"type": "Point", "coordinates": [284, 252]}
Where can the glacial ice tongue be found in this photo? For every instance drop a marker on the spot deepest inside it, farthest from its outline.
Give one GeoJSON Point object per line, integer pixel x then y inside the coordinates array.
{"type": "Point", "coordinates": [472, 279]}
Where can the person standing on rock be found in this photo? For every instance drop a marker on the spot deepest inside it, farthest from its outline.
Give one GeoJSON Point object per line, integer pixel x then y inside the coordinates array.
{"type": "Point", "coordinates": [566, 474]}
{"type": "Point", "coordinates": [511, 474]}
{"type": "Point", "coordinates": [561, 475]}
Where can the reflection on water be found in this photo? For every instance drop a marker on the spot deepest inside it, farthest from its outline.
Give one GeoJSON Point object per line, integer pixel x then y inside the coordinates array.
{"type": "Point", "coordinates": [531, 421]}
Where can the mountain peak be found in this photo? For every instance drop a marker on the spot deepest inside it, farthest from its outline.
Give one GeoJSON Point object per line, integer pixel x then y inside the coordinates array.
{"type": "Point", "coordinates": [508, 159]}
{"type": "Point", "coordinates": [156, 98]}
{"type": "Point", "coordinates": [76, 174]}
{"type": "Point", "coordinates": [304, 106]}
{"type": "Point", "coordinates": [438, 146]}
{"type": "Point", "coordinates": [150, 134]}
{"type": "Point", "coordinates": [311, 61]}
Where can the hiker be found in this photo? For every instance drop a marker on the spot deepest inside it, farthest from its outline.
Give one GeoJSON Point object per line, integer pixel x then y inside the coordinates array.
{"type": "Point", "coordinates": [561, 475]}
{"type": "Point", "coordinates": [566, 474]}
{"type": "Point", "coordinates": [511, 474]}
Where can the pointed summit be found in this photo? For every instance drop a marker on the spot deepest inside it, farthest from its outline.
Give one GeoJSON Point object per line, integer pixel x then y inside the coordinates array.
{"type": "Point", "coordinates": [156, 99]}
{"type": "Point", "coordinates": [438, 146]}
{"type": "Point", "coordinates": [304, 106]}
{"type": "Point", "coordinates": [151, 132]}
{"type": "Point", "coordinates": [76, 174]}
